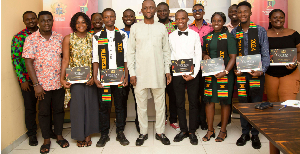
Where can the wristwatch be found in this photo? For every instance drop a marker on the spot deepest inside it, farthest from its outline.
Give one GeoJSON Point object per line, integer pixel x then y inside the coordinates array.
{"type": "Point", "coordinates": [226, 72]}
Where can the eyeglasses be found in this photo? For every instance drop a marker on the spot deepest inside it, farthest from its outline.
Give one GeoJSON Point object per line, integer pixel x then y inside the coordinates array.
{"type": "Point", "coordinates": [200, 10]}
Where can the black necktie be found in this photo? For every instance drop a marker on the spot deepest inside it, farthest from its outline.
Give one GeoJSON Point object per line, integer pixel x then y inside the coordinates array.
{"type": "Point", "coordinates": [180, 33]}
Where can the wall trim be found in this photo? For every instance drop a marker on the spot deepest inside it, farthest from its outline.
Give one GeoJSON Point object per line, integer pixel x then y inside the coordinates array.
{"type": "Point", "coordinates": [16, 143]}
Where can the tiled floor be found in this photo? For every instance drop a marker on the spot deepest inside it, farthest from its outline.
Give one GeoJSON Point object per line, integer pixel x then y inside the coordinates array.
{"type": "Point", "coordinates": [152, 146]}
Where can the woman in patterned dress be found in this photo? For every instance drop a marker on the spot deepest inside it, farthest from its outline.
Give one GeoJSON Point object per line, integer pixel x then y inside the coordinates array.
{"type": "Point", "coordinates": [77, 52]}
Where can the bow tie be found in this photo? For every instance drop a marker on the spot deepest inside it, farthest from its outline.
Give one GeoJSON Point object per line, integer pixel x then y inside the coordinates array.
{"type": "Point", "coordinates": [180, 33]}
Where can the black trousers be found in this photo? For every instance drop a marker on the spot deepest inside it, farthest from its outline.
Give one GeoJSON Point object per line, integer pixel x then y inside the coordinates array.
{"type": "Point", "coordinates": [172, 102]}
{"type": "Point", "coordinates": [127, 89]}
{"type": "Point", "coordinates": [30, 110]}
{"type": "Point", "coordinates": [192, 90]}
{"type": "Point", "coordinates": [118, 95]}
{"type": "Point", "coordinates": [202, 114]}
{"type": "Point", "coordinates": [57, 99]}
{"type": "Point", "coordinates": [246, 126]}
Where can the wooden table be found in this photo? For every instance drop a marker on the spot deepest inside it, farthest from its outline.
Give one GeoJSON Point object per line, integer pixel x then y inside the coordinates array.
{"type": "Point", "coordinates": [281, 128]}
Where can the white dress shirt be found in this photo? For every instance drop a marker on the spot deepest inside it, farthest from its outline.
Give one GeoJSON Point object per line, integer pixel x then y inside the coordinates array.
{"type": "Point", "coordinates": [186, 47]}
{"type": "Point", "coordinates": [111, 49]}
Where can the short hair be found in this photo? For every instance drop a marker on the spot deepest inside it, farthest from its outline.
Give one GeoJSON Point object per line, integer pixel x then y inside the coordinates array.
{"type": "Point", "coordinates": [181, 10]}
{"type": "Point", "coordinates": [150, 0]}
{"type": "Point", "coordinates": [75, 18]}
{"type": "Point", "coordinates": [223, 16]}
{"type": "Point", "coordinates": [95, 14]}
{"type": "Point", "coordinates": [108, 9]}
{"type": "Point", "coordinates": [129, 10]}
{"type": "Point", "coordinates": [45, 13]}
{"type": "Point", "coordinates": [163, 3]}
{"type": "Point", "coordinates": [199, 4]}
{"type": "Point", "coordinates": [270, 14]}
{"type": "Point", "coordinates": [244, 3]}
{"type": "Point", "coordinates": [28, 12]}
{"type": "Point", "coordinates": [233, 5]}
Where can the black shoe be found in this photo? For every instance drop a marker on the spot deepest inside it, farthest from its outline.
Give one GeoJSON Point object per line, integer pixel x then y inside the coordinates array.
{"type": "Point", "coordinates": [33, 140]}
{"type": "Point", "coordinates": [122, 139]}
{"type": "Point", "coordinates": [204, 125]}
{"type": "Point", "coordinates": [52, 135]}
{"type": "Point", "coordinates": [193, 139]}
{"type": "Point", "coordinates": [163, 138]}
{"type": "Point", "coordinates": [255, 142]}
{"type": "Point", "coordinates": [206, 136]}
{"type": "Point", "coordinates": [102, 141]}
{"type": "Point", "coordinates": [242, 140]}
{"type": "Point", "coordinates": [137, 128]}
{"type": "Point", "coordinates": [220, 124]}
{"type": "Point", "coordinates": [179, 137]}
{"type": "Point", "coordinates": [141, 139]}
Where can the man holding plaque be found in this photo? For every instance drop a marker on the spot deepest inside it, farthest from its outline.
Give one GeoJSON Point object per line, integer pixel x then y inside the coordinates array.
{"type": "Point", "coordinates": [185, 44]}
{"type": "Point", "coordinates": [149, 60]}
{"type": "Point", "coordinates": [109, 48]}
{"type": "Point", "coordinates": [251, 39]}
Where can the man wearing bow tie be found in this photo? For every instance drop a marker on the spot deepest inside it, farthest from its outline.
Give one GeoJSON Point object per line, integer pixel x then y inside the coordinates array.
{"type": "Point", "coordinates": [185, 44]}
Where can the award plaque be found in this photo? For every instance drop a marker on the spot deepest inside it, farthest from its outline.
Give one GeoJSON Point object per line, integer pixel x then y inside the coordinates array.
{"type": "Point", "coordinates": [248, 63]}
{"type": "Point", "coordinates": [78, 74]}
{"type": "Point", "coordinates": [111, 76]}
{"type": "Point", "coordinates": [282, 57]}
{"type": "Point", "coordinates": [182, 67]}
{"type": "Point", "coordinates": [212, 66]}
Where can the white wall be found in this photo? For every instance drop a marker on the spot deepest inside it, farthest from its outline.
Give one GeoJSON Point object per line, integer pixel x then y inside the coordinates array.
{"type": "Point", "coordinates": [102, 4]}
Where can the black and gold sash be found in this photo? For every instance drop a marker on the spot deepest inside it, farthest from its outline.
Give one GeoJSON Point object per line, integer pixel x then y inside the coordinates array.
{"type": "Point", "coordinates": [222, 83]}
{"type": "Point", "coordinates": [104, 57]}
{"type": "Point", "coordinates": [253, 48]}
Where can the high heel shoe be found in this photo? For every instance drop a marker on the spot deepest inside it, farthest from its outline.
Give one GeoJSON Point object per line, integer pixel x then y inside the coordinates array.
{"type": "Point", "coordinates": [219, 139]}
{"type": "Point", "coordinates": [212, 135]}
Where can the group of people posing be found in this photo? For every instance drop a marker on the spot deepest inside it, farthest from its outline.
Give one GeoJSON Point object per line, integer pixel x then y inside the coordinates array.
{"type": "Point", "coordinates": [144, 51]}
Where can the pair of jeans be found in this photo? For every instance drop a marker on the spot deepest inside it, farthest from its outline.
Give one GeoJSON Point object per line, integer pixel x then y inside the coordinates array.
{"type": "Point", "coordinates": [57, 99]}
{"type": "Point", "coordinates": [118, 95]}
{"type": "Point", "coordinates": [192, 91]}
{"type": "Point", "coordinates": [246, 126]}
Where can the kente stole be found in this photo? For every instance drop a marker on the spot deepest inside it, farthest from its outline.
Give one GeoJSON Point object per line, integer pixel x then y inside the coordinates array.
{"type": "Point", "coordinates": [171, 27]}
{"type": "Point", "coordinates": [222, 83]}
{"type": "Point", "coordinates": [104, 57]}
{"type": "Point", "coordinates": [253, 48]}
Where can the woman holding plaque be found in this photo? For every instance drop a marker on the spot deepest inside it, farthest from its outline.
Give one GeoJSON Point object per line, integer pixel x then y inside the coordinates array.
{"type": "Point", "coordinates": [282, 82]}
{"type": "Point", "coordinates": [77, 52]}
{"type": "Point", "coordinates": [218, 88]}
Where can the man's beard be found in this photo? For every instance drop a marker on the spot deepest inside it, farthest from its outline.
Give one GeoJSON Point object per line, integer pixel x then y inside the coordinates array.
{"type": "Point", "coordinates": [163, 20]}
